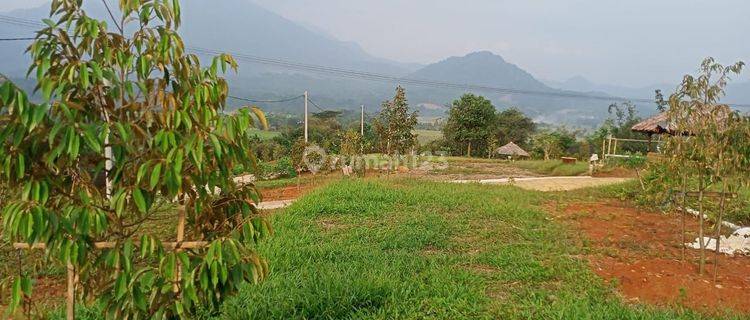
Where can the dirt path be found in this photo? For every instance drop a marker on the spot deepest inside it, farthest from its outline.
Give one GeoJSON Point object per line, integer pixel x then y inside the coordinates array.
{"type": "Point", "coordinates": [551, 183]}
{"type": "Point", "coordinates": [640, 253]}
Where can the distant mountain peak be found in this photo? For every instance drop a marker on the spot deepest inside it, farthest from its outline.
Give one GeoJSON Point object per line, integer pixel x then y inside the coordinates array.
{"type": "Point", "coordinates": [481, 68]}
{"type": "Point", "coordinates": [484, 54]}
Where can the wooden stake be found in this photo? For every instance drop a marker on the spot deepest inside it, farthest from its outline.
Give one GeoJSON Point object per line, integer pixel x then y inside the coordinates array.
{"type": "Point", "coordinates": [683, 208]}
{"type": "Point", "coordinates": [702, 262]}
{"type": "Point", "coordinates": [178, 248]}
{"type": "Point", "coordinates": [718, 230]}
{"type": "Point", "coordinates": [112, 244]}
{"type": "Point", "coordinates": [70, 299]}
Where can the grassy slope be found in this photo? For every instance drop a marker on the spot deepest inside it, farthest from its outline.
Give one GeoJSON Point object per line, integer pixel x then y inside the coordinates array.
{"type": "Point", "coordinates": [264, 134]}
{"type": "Point", "coordinates": [554, 167]}
{"type": "Point", "coordinates": [415, 249]}
{"type": "Point", "coordinates": [427, 136]}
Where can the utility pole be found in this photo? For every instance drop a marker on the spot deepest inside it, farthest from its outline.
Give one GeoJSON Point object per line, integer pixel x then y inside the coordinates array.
{"type": "Point", "coordinates": [305, 116]}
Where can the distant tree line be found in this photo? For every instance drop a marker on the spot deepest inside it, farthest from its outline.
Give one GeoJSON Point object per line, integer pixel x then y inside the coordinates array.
{"type": "Point", "coordinates": [472, 127]}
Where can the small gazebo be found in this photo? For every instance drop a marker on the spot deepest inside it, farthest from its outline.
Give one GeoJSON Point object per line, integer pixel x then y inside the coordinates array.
{"type": "Point", "coordinates": [658, 124]}
{"type": "Point", "coordinates": [661, 124]}
{"type": "Point", "coordinates": [512, 150]}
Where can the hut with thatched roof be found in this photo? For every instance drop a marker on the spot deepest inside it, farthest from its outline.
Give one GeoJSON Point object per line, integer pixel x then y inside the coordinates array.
{"type": "Point", "coordinates": [512, 150]}
{"type": "Point", "coordinates": [661, 124]}
{"type": "Point", "coordinates": [657, 124]}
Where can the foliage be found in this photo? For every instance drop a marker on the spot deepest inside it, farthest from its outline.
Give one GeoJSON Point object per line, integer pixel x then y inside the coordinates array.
{"type": "Point", "coordinates": [711, 143]}
{"type": "Point", "coordinates": [470, 123]}
{"type": "Point", "coordinates": [285, 168]}
{"type": "Point", "coordinates": [553, 143]}
{"type": "Point", "coordinates": [297, 156]}
{"type": "Point", "coordinates": [622, 118]}
{"type": "Point", "coordinates": [394, 125]}
{"type": "Point", "coordinates": [492, 145]}
{"type": "Point", "coordinates": [130, 123]}
{"type": "Point", "coordinates": [514, 126]}
{"type": "Point", "coordinates": [436, 147]}
{"type": "Point", "coordinates": [268, 150]}
{"type": "Point", "coordinates": [584, 150]}
{"type": "Point", "coordinates": [351, 144]}
{"type": "Point", "coordinates": [323, 131]}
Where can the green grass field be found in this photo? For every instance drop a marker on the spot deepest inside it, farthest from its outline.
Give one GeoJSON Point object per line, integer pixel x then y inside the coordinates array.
{"type": "Point", "coordinates": [264, 134]}
{"type": "Point", "coordinates": [427, 136]}
{"type": "Point", "coordinates": [411, 249]}
{"type": "Point", "coordinates": [554, 167]}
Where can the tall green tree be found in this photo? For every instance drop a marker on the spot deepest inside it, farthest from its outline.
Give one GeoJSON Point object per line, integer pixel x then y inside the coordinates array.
{"type": "Point", "coordinates": [394, 125]}
{"type": "Point", "coordinates": [470, 123]}
{"type": "Point", "coordinates": [623, 117]}
{"type": "Point", "coordinates": [514, 126]}
{"type": "Point", "coordinates": [131, 129]}
{"type": "Point", "coordinates": [711, 145]}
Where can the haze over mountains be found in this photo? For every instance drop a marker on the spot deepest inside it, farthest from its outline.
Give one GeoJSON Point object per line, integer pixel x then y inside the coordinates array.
{"type": "Point", "coordinates": [243, 27]}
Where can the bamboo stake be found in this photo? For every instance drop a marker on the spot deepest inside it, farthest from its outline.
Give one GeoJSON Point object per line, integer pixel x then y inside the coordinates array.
{"type": "Point", "coordinates": [718, 231]}
{"type": "Point", "coordinates": [112, 244]}
{"type": "Point", "coordinates": [683, 209]}
{"type": "Point", "coordinates": [178, 248]}
{"type": "Point", "coordinates": [70, 299]}
{"type": "Point", "coordinates": [702, 262]}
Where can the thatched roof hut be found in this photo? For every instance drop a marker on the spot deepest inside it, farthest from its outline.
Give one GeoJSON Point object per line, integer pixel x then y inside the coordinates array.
{"type": "Point", "coordinates": [511, 149]}
{"type": "Point", "coordinates": [660, 123]}
{"type": "Point", "coordinates": [657, 124]}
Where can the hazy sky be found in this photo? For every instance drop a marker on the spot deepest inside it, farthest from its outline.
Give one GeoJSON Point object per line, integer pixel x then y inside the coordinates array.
{"type": "Point", "coordinates": [633, 42]}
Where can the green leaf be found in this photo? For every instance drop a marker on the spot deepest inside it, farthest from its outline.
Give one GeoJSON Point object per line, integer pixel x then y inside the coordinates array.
{"type": "Point", "coordinates": [21, 168]}
{"type": "Point", "coordinates": [84, 74]}
{"type": "Point", "coordinates": [155, 175]}
{"type": "Point", "coordinates": [91, 139]}
{"type": "Point", "coordinates": [140, 202]}
{"type": "Point", "coordinates": [121, 286]}
{"type": "Point", "coordinates": [141, 172]}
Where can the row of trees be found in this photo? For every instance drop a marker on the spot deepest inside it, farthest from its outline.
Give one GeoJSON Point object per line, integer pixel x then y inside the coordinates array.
{"type": "Point", "coordinates": [475, 128]}
{"type": "Point", "coordinates": [390, 132]}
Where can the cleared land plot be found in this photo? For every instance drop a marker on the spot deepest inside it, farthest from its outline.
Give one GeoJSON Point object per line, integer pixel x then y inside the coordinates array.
{"type": "Point", "coordinates": [639, 252]}
{"type": "Point", "coordinates": [551, 183]}
{"type": "Point", "coordinates": [406, 248]}
{"type": "Point", "coordinates": [462, 168]}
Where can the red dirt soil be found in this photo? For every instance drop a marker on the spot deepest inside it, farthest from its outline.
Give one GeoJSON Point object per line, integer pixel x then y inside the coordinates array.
{"type": "Point", "coordinates": [641, 252]}
{"type": "Point", "coordinates": [285, 193]}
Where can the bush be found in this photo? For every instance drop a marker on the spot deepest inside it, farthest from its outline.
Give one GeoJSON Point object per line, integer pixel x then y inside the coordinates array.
{"type": "Point", "coordinates": [285, 168]}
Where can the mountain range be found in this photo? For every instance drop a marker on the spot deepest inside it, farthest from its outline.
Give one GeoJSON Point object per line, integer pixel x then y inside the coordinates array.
{"type": "Point", "coordinates": [250, 31]}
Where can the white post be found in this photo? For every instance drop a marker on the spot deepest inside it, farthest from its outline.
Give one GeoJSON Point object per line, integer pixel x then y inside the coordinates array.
{"type": "Point", "coordinates": [305, 116]}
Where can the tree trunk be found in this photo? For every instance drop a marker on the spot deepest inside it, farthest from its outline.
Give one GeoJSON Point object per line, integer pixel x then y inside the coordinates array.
{"type": "Point", "coordinates": [468, 150]}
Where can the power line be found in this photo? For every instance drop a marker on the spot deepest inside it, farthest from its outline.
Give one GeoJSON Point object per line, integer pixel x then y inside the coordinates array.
{"type": "Point", "coordinates": [316, 105]}
{"type": "Point", "coordinates": [361, 75]}
{"type": "Point", "coordinates": [16, 39]}
{"type": "Point", "coordinates": [266, 101]}
{"type": "Point", "coordinates": [21, 22]}
{"type": "Point", "coordinates": [119, 27]}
